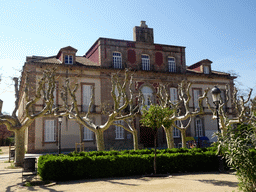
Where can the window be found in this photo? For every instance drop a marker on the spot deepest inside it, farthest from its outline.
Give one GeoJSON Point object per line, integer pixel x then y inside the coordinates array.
{"type": "Point", "coordinates": [68, 59]}
{"type": "Point", "coordinates": [117, 60]}
{"type": "Point", "coordinates": [54, 93]}
{"type": "Point", "coordinates": [199, 127]}
{"type": "Point", "coordinates": [50, 130]}
{"type": "Point", "coordinates": [176, 132]}
{"type": "Point", "coordinates": [145, 63]}
{"type": "Point", "coordinates": [173, 94]}
{"type": "Point", "coordinates": [171, 64]}
{"type": "Point", "coordinates": [119, 131]}
{"type": "Point", "coordinates": [86, 96]}
{"type": "Point", "coordinates": [206, 70]}
{"type": "Point", "coordinates": [121, 101]}
{"type": "Point", "coordinates": [147, 94]}
{"type": "Point", "coordinates": [196, 95]}
{"type": "Point", "coordinates": [88, 134]}
{"type": "Point", "coordinates": [223, 98]}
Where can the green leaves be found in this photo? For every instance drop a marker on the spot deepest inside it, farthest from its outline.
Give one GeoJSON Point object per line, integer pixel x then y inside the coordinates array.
{"type": "Point", "coordinates": [124, 163]}
{"type": "Point", "coordinates": [238, 147]}
{"type": "Point", "coordinates": [156, 116]}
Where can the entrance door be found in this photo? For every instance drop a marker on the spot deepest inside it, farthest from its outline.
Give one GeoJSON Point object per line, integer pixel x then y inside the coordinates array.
{"type": "Point", "coordinates": [146, 136]}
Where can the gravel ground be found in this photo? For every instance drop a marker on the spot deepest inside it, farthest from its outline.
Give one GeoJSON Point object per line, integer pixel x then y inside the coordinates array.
{"type": "Point", "coordinates": [10, 180]}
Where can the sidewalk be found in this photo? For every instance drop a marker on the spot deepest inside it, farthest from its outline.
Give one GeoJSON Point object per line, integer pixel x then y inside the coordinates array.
{"type": "Point", "coordinates": [10, 180]}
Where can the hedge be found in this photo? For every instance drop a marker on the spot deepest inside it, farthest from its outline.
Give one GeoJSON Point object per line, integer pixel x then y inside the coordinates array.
{"type": "Point", "coordinates": [118, 164]}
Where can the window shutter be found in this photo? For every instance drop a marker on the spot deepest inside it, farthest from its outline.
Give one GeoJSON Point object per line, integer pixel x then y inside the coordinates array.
{"type": "Point", "coordinates": [86, 97]}
{"type": "Point", "coordinates": [49, 131]}
{"type": "Point", "coordinates": [173, 94]}
{"type": "Point", "coordinates": [196, 96]}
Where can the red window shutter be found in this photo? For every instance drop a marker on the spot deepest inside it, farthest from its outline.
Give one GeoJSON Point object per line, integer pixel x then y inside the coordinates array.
{"type": "Point", "coordinates": [159, 58]}
{"type": "Point", "coordinates": [131, 56]}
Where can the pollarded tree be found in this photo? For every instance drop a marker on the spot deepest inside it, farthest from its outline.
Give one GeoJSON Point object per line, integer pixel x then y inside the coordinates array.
{"type": "Point", "coordinates": [245, 110]}
{"type": "Point", "coordinates": [16, 125]}
{"type": "Point", "coordinates": [181, 110]}
{"type": "Point", "coordinates": [155, 117]}
{"type": "Point", "coordinates": [121, 98]}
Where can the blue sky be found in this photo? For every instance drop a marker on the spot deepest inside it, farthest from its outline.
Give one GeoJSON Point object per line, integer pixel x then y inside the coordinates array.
{"type": "Point", "coordinates": [222, 31]}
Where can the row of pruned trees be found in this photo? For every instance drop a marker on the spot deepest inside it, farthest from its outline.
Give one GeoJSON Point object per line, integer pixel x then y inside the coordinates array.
{"type": "Point", "coordinates": [123, 99]}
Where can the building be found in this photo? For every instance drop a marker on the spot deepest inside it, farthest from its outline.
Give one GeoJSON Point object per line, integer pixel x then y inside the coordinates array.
{"type": "Point", "coordinates": [153, 63]}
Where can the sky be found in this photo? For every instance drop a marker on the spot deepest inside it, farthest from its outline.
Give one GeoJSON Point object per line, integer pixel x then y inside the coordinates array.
{"type": "Point", "coordinates": [221, 31]}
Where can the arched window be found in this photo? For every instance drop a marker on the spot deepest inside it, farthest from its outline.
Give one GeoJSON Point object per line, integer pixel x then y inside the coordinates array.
{"type": "Point", "coordinates": [117, 60]}
{"type": "Point", "coordinates": [148, 95]}
{"type": "Point", "coordinates": [171, 64]}
{"type": "Point", "coordinates": [145, 62]}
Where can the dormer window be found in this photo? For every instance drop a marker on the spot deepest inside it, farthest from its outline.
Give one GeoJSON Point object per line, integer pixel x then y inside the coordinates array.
{"type": "Point", "coordinates": [145, 62]}
{"type": "Point", "coordinates": [171, 64]}
{"type": "Point", "coordinates": [68, 59]}
{"type": "Point", "coordinates": [206, 70]}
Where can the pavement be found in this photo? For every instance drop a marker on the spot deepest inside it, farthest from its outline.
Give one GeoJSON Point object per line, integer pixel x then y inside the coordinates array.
{"type": "Point", "coordinates": [10, 180]}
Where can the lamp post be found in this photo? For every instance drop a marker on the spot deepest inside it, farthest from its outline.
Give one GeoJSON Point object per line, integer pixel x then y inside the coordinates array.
{"type": "Point", "coordinates": [216, 100]}
{"type": "Point", "coordinates": [198, 139]}
{"type": "Point", "coordinates": [59, 140]}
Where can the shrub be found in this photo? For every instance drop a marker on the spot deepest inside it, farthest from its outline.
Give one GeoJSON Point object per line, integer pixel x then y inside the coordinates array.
{"type": "Point", "coordinates": [237, 147]}
{"type": "Point", "coordinates": [114, 164]}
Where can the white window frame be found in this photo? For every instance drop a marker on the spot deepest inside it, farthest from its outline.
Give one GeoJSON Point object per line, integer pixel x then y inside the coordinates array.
{"type": "Point", "coordinates": [206, 69]}
{"type": "Point", "coordinates": [171, 64]}
{"type": "Point", "coordinates": [148, 96]}
{"type": "Point", "coordinates": [117, 60]}
{"type": "Point", "coordinates": [86, 96]}
{"type": "Point", "coordinates": [87, 134]}
{"type": "Point", "coordinates": [196, 95]}
{"type": "Point", "coordinates": [176, 132]}
{"type": "Point", "coordinates": [173, 94]}
{"type": "Point", "coordinates": [68, 59]}
{"type": "Point", "coordinates": [199, 125]}
{"type": "Point", "coordinates": [50, 130]}
{"type": "Point", "coordinates": [145, 62]}
{"type": "Point", "coordinates": [119, 131]}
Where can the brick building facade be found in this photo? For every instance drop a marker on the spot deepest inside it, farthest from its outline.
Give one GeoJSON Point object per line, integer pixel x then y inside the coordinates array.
{"type": "Point", "coordinates": [153, 64]}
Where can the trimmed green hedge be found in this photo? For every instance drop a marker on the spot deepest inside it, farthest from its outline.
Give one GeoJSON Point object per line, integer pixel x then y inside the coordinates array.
{"type": "Point", "coordinates": [99, 164]}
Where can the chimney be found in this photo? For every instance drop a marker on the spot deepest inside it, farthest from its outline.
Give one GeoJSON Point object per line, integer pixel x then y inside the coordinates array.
{"type": "Point", "coordinates": [143, 33]}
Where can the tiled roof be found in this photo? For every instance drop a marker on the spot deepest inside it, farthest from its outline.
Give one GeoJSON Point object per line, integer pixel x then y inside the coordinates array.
{"type": "Point", "coordinates": [53, 60]}
{"type": "Point", "coordinates": [84, 61]}
{"type": "Point", "coordinates": [212, 72]}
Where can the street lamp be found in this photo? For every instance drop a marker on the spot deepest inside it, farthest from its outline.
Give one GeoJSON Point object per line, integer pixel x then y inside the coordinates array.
{"type": "Point", "coordinates": [216, 100]}
{"type": "Point", "coordinates": [59, 140]}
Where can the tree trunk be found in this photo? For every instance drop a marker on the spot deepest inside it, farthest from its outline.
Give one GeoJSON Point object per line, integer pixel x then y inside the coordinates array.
{"type": "Point", "coordinates": [135, 140]}
{"type": "Point", "coordinates": [100, 140]}
{"type": "Point", "coordinates": [183, 138]}
{"type": "Point", "coordinates": [19, 147]}
{"type": "Point", "coordinates": [155, 154]}
{"type": "Point", "coordinates": [169, 137]}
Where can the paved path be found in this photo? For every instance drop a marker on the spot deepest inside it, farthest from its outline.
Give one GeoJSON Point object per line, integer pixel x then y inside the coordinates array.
{"type": "Point", "coordinates": [10, 180]}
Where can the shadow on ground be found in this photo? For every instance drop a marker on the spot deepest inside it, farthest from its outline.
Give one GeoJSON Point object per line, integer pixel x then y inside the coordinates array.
{"type": "Point", "coordinates": [220, 183]}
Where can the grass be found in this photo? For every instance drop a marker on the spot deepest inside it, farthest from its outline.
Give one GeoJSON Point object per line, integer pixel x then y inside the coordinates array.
{"type": "Point", "coordinates": [12, 161]}
{"type": "Point", "coordinates": [12, 166]}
